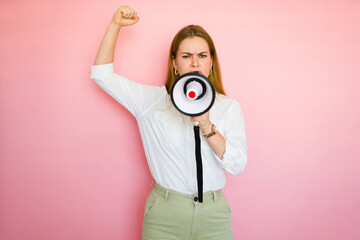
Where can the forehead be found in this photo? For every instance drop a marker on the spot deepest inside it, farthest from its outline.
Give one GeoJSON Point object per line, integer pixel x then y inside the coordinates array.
{"type": "Point", "coordinates": [193, 44]}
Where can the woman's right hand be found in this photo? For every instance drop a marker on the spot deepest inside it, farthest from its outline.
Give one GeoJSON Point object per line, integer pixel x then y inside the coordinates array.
{"type": "Point", "coordinates": [125, 16]}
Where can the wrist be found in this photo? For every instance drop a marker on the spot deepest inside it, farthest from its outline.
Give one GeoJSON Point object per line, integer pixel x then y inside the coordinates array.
{"type": "Point", "coordinates": [115, 26]}
{"type": "Point", "coordinates": [205, 126]}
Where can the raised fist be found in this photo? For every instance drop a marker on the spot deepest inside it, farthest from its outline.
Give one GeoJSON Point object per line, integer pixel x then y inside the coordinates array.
{"type": "Point", "coordinates": [125, 16]}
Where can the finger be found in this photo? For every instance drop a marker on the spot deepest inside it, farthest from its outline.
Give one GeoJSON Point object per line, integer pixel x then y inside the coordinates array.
{"type": "Point", "coordinates": [129, 11]}
{"type": "Point", "coordinates": [122, 13]}
{"type": "Point", "coordinates": [125, 13]}
{"type": "Point", "coordinates": [136, 19]}
{"type": "Point", "coordinates": [130, 21]}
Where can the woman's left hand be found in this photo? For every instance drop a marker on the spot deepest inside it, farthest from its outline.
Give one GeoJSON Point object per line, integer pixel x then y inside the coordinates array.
{"type": "Point", "coordinates": [204, 122]}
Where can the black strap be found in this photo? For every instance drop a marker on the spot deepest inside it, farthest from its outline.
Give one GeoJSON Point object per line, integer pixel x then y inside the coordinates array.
{"type": "Point", "coordinates": [198, 162]}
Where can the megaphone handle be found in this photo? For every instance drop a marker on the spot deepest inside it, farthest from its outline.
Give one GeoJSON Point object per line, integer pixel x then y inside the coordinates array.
{"type": "Point", "coordinates": [199, 169]}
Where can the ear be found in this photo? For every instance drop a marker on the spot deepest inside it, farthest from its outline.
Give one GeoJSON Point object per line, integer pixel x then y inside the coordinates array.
{"type": "Point", "coordinates": [174, 63]}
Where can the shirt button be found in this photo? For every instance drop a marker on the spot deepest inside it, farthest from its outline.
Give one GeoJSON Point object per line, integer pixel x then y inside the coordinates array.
{"type": "Point", "coordinates": [195, 199]}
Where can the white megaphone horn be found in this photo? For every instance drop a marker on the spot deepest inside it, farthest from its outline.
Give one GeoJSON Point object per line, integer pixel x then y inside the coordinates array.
{"type": "Point", "coordinates": [193, 94]}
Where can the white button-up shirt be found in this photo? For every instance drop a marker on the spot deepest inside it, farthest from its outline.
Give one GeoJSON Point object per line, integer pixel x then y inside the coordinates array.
{"type": "Point", "coordinates": [168, 136]}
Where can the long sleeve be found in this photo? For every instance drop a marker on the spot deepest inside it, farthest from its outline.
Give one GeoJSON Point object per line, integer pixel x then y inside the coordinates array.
{"type": "Point", "coordinates": [235, 156]}
{"type": "Point", "coordinates": [135, 97]}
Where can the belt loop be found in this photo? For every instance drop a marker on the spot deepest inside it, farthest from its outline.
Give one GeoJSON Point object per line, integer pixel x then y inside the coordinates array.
{"type": "Point", "coordinates": [214, 192]}
{"type": "Point", "coordinates": [166, 194]}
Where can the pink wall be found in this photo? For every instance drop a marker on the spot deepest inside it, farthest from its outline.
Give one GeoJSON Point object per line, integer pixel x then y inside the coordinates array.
{"type": "Point", "coordinates": [69, 152]}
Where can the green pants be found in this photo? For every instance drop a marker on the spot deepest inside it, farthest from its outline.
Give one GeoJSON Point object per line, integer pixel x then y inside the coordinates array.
{"type": "Point", "coordinates": [174, 215]}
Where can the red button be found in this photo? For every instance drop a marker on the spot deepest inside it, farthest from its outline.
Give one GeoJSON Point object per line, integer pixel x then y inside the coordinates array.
{"type": "Point", "coordinates": [192, 94]}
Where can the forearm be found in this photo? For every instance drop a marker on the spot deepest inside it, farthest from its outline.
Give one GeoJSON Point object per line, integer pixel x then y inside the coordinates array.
{"type": "Point", "coordinates": [106, 50]}
{"type": "Point", "coordinates": [217, 141]}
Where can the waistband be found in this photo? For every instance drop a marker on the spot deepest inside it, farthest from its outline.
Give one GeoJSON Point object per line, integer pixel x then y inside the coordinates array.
{"type": "Point", "coordinates": [167, 194]}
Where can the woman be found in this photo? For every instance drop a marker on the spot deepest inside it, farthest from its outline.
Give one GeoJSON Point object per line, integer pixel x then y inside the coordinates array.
{"type": "Point", "coordinates": [172, 210]}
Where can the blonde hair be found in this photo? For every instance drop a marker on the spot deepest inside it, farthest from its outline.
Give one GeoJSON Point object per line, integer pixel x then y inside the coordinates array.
{"type": "Point", "coordinates": [192, 31]}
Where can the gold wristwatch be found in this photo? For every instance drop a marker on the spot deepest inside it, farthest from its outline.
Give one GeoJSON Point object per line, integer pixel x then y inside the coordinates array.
{"type": "Point", "coordinates": [212, 133]}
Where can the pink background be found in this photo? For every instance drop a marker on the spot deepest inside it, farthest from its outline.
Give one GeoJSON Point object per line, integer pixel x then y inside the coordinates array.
{"type": "Point", "coordinates": [72, 164]}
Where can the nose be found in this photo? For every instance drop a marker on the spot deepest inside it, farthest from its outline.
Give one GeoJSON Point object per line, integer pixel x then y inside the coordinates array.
{"type": "Point", "coordinates": [195, 61]}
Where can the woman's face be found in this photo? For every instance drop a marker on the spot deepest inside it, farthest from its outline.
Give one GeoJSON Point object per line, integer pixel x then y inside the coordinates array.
{"type": "Point", "coordinates": [193, 55]}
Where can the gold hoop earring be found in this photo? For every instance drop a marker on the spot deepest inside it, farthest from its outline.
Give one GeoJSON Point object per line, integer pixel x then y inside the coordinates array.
{"type": "Point", "coordinates": [176, 72]}
{"type": "Point", "coordinates": [210, 71]}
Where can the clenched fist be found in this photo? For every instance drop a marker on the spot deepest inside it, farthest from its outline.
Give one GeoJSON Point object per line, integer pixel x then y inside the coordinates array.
{"type": "Point", "coordinates": [125, 16]}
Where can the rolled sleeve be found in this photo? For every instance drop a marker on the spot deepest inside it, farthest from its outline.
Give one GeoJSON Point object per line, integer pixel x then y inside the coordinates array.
{"type": "Point", "coordinates": [235, 157]}
{"type": "Point", "coordinates": [98, 71]}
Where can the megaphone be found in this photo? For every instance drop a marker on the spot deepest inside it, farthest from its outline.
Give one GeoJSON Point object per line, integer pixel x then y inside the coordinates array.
{"type": "Point", "coordinates": [192, 94]}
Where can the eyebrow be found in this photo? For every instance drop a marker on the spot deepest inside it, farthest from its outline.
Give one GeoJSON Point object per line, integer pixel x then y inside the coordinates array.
{"type": "Point", "coordinates": [193, 54]}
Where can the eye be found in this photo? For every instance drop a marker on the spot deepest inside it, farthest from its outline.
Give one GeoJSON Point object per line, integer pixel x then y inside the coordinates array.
{"type": "Point", "coordinates": [185, 56]}
{"type": "Point", "coordinates": [203, 56]}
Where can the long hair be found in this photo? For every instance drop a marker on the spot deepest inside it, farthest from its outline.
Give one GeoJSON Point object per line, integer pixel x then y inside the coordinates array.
{"type": "Point", "coordinates": [192, 31]}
